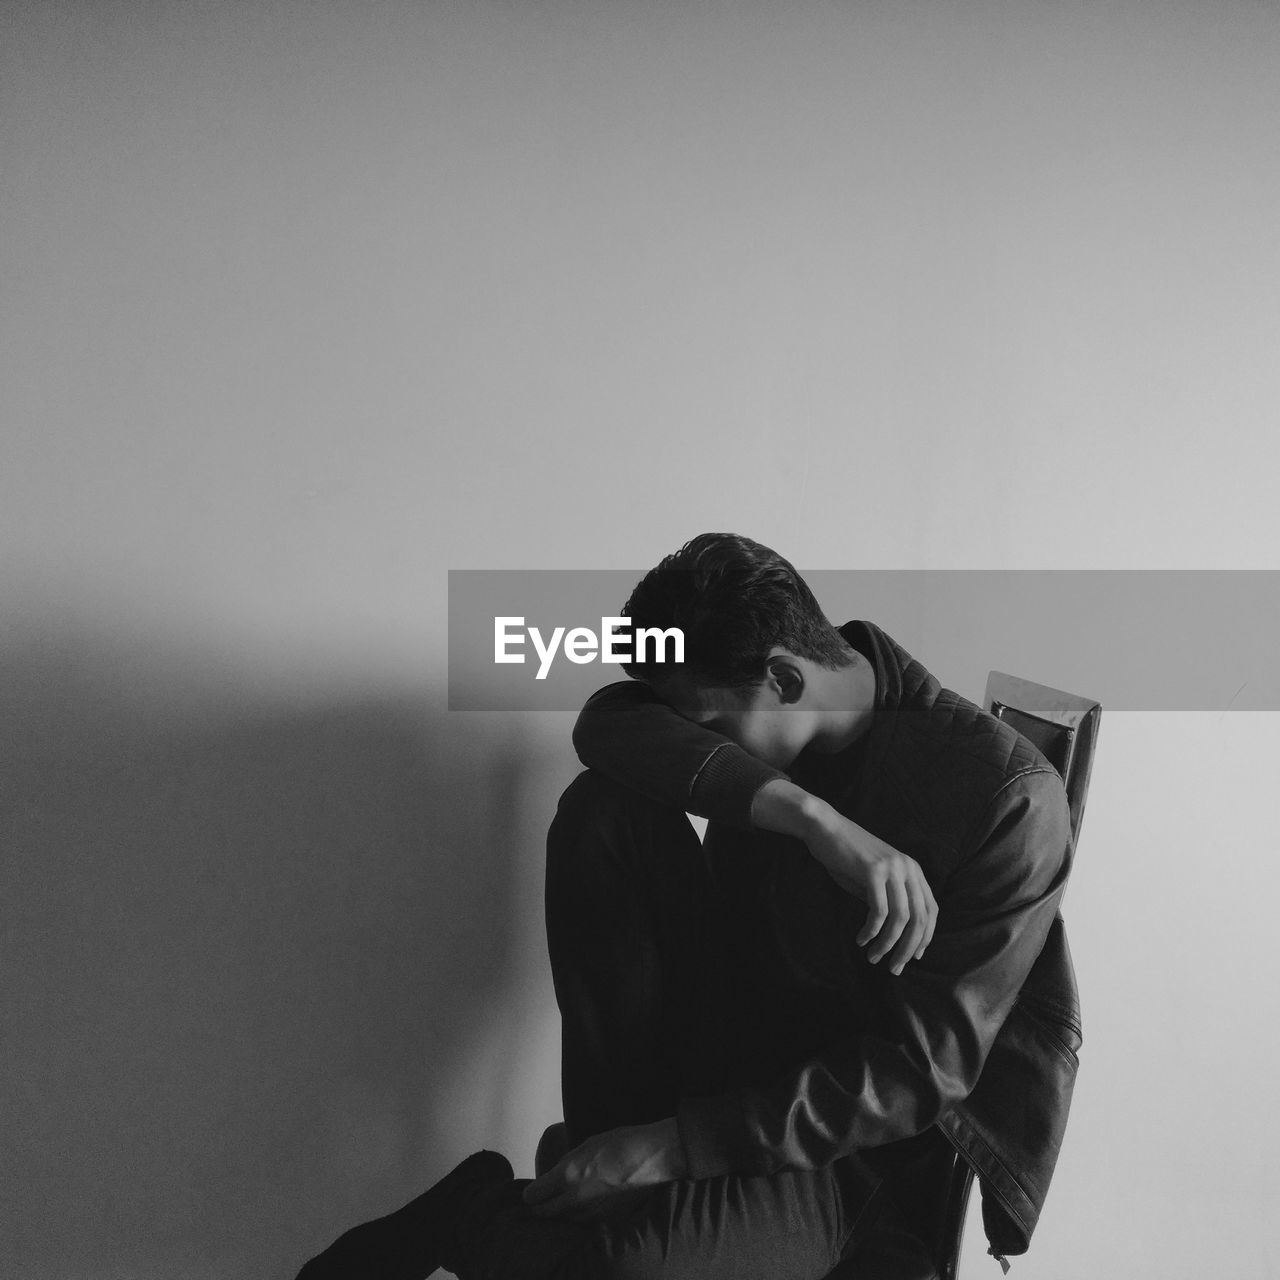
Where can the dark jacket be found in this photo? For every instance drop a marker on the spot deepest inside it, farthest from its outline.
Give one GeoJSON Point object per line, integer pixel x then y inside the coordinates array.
{"type": "Point", "coordinates": [980, 1036]}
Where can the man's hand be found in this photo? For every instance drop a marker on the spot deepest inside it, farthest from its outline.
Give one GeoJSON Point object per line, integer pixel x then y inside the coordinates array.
{"type": "Point", "coordinates": [901, 911]}
{"type": "Point", "coordinates": [594, 1176]}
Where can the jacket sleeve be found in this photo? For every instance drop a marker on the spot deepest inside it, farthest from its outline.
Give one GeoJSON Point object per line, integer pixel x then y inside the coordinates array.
{"type": "Point", "coordinates": [629, 734]}
{"type": "Point", "coordinates": [944, 1011]}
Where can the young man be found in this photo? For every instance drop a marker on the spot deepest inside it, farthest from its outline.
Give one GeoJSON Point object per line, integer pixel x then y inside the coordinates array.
{"type": "Point", "coordinates": [772, 1038]}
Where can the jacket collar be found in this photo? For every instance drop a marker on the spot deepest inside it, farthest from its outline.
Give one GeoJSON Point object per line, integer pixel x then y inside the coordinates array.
{"type": "Point", "coordinates": [902, 685]}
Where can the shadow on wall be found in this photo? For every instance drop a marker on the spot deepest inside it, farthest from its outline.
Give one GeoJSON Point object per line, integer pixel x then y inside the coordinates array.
{"type": "Point", "coordinates": [240, 943]}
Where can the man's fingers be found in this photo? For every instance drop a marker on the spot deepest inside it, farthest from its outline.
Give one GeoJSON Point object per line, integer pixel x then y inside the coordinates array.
{"type": "Point", "coordinates": [544, 1188]}
{"type": "Point", "coordinates": [912, 936]}
{"type": "Point", "coordinates": [933, 921]}
{"type": "Point", "coordinates": [898, 915]}
{"type": "Point", "coordinates": [901, 915]}
{"type": "Point", "coordinates": [554, 1195]}
{"type": "Point", "coordinates": [580, 1201]}
{"type": "Point", "coordinates": [911, 920]}
{"type": "Point", "coordinates": [877, 913]}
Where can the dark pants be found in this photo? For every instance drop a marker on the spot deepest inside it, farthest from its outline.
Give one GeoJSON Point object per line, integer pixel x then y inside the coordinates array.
{"type": "Point", "coordinates": [662, 996]}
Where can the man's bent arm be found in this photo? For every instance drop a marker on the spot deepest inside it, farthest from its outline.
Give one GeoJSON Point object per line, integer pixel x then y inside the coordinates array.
{"type": "Point", "coordinates": [629, 734]}
{"type": "Point", "coordinates": [946, 1010]}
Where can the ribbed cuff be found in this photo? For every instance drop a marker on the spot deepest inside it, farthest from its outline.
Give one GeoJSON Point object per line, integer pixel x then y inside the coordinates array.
{"type": "Point", "coordinates": [727, 784]}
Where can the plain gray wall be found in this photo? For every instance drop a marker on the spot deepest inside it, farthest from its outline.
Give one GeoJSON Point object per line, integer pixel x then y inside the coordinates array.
{"type": "Point", "coordinates": [305, 304]}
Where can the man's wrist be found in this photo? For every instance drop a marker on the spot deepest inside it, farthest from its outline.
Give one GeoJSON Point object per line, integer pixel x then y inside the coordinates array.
{"type": "Point", "coordinates": [783, 807]}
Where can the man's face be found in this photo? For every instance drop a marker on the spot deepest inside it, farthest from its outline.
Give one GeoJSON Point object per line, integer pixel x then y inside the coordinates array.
{"type": "Point", "coordinates": [757, 719]}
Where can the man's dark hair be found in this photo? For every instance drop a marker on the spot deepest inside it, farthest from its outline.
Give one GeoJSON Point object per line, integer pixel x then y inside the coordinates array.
{"type": "Point", "coordinates": [734, 600]}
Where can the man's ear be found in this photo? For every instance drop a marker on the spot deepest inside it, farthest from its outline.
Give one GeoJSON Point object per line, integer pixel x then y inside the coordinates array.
{"type": "Point", "coordinates": [785, 677]}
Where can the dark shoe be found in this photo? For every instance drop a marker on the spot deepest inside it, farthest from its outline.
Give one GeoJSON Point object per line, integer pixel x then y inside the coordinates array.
{"type": "Point", "coordinates": [411, 1242]}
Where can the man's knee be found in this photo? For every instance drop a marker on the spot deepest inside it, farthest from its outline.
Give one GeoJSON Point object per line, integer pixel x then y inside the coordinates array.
{"type": "Point", "coordinates": [592, 794]}
{"type": "Point", "coordinates": [597, 815]}
{"type": "Point", "coordinates": [614, 854]}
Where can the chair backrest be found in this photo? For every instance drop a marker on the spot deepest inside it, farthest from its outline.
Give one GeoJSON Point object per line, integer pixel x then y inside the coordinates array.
{"type": "Point", "coordinates": [1063, 725]}
{"type": "Point", "coordinates": [1065, 728]}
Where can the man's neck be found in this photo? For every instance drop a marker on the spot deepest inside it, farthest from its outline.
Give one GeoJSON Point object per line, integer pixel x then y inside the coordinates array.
{"type": "Point", "coordinates": [844, 701]}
